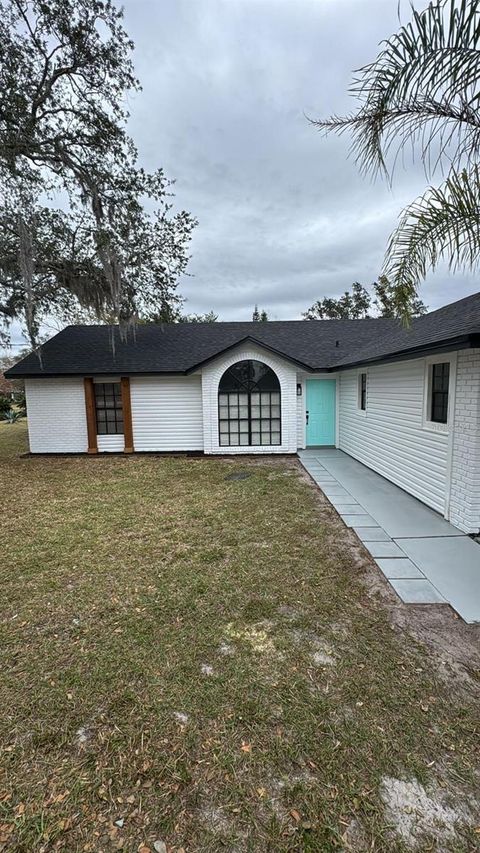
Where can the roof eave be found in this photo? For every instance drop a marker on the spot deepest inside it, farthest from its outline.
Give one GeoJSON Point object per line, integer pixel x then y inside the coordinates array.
{"type": "Point", "coordinates": [55, 374]}
{"type": "Point", "coordinates": [459, 342]}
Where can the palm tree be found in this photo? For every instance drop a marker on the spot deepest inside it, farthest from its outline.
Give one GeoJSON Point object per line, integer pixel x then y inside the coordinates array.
{"type": "Point", "coordinates": [422, 94]}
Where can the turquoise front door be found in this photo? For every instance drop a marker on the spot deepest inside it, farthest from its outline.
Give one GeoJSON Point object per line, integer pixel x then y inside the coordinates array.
{"type": "Point", "coordinates": [320, 411]}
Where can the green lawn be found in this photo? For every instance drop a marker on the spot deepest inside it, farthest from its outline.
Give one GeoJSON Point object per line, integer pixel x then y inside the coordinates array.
{"type": "Point", "coordinates": [213, 664]}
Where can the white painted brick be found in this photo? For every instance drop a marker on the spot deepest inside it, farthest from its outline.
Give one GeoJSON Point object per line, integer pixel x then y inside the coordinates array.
{"type": "Point", "coordinates": [464, 509]}
{"type": "Point", "coordinates": [287, 376]}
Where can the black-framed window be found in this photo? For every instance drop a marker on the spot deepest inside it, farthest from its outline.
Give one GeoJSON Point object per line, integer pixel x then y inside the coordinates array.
{"type": "Point", "coordinates": [249, 406]}
{"type": "Point", "coordinates": [440, 381]}
{"type": "Point", "coordinates": [108, 408]}
{"type": "Point", "coordinates": [362, 392]}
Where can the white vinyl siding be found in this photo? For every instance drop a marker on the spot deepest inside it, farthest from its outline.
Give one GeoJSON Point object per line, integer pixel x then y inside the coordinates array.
{"type": "Point", "coordinates": [167, 413]}
{"type": "Point", "coordinates": [389, 436]}
{"type": "Point", "coordinates": [110, 443]}
{"type": "Point", "coordinates": [57, 421]}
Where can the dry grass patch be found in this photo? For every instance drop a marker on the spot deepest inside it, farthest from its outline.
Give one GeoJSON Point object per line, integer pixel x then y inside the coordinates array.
{"type": "Point", "coordinates": [204, 663]}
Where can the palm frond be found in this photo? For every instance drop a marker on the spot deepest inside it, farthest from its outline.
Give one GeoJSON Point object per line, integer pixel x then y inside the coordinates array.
{"type": "Point", "coordinates": [441, 225]}
{"type": "Point", "coordinates": [421, 88]}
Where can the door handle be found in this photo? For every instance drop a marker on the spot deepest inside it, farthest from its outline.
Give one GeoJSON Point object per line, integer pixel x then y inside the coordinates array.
{"type": "Point", "coordinates": [306, 414]}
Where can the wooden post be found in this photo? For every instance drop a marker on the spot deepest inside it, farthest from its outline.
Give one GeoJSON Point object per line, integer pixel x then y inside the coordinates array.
{"type": "Point", "coordinates": [127, 415]}
{"type": "Point", "coordinates": [91, 416]}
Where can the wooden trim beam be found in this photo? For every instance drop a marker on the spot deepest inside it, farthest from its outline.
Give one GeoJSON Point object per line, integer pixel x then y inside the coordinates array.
{"type": "Point", "coordinates": [127, 414]}
{"type": "Point", "coordinates": [91, 415]}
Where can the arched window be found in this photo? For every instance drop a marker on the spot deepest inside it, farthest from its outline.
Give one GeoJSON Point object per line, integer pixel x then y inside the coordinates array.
{"type": "Point", "coordinates": [249, 405]}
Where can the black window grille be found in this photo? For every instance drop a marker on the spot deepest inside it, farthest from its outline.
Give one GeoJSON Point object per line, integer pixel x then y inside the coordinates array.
{"type": "Point", "coordinates": [108, 408]}
{"type": "Point", "coordinates": [439, 395]}
{"type": "Point", "coordinates": [363, 391]}
{"type": "Point", "coordinates": [249, 403]}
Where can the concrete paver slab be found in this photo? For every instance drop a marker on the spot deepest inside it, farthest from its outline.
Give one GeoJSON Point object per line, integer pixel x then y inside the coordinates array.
{"type": "Point", "coordinates": [453, 566]}
{"type": "Point", "coordinates": [372, 534]}
{"type": "Point", "coordinates": [358, 520]}
{"type": "Point", "coordinates": [335, 491]}
{"type": "Point", "coordinates": [417, 592]}
{"type": "Point", "coordinates": [395, 567]}
{"type": "Point", "coordinates": [335, 499]}
{"type": "Point", "coordinates": [384, 549]}
{"type": "Point", "coordinates": [349, 509]}
{"type": "Point", "coordinates": [441, 563]}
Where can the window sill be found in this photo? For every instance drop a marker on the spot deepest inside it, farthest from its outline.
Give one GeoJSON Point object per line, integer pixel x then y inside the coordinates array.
{"type": "Point", "coordinates": [431, 426]}
{"type": "Point", "coordinates": [361, 412]}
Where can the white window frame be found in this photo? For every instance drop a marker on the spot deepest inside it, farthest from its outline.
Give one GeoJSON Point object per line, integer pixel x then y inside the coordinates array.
{"type": "Point", "coordinates": [362, 412]}
{"type": "Point", "coordinates": [427, 423]}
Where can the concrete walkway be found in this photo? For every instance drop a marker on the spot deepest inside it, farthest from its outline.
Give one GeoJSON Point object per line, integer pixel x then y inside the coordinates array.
{"type": "Point", "coordinates": [426, 559]}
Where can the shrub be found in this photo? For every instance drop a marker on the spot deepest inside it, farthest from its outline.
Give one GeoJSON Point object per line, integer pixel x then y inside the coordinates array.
{"type": "Point", "coordinates": [5, 404]}
{"type": "Point", "coordinates": [11, 416]}
{"type": "Point", "coordinates": [21, 402]}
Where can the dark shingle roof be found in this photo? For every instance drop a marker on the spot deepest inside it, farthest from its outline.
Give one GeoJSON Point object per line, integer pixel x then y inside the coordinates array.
{"type": "Point", "coordinates": [180, 348]}
{"type": "Point", "coordinates": [457, 320]}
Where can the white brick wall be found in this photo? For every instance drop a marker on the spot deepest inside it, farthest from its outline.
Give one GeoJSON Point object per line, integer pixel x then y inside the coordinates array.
{"type": "Point", "coordinates": [464, 502]}
{"type": "Point", "coordinates": [301, 436]}
{"type": "Point", "coordinates": [287, 375]}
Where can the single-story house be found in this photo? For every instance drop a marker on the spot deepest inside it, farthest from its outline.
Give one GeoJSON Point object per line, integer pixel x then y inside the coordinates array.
{"type": "Point", "coordinates": [404, 401]}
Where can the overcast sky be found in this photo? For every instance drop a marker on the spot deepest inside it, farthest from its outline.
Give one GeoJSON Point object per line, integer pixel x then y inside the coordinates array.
{"type": "Point", "coordinates": [284, 216]}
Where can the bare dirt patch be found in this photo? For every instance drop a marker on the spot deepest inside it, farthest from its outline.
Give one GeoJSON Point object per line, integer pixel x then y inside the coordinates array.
{"type": "Point", "coordinates": [354, 839]}
{"type": "Point", "coordinates": [454, 645]}
{"type": "Point", "coordinates": [256, 636]}
{"type": "Point", "coordinates": [321, 651]}
{"type": "Point", "coordinates": [416, 814]}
